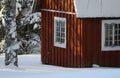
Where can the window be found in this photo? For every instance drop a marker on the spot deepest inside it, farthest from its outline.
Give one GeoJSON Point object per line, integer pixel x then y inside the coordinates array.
{"type": "Point", "coordinates": [110, 35]}
{"type": "Point", "coordinates": [60, 32]}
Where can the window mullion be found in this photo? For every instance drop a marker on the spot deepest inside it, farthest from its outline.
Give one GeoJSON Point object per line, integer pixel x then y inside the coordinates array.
{"type": "Point", "coordinates": [113, 34]}
{"type": "Point", "coordinates": [117, 34]}
{"type": "Point", "coordinates": [60, 31]}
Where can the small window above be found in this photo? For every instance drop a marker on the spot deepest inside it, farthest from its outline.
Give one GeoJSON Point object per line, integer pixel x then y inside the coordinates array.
{"type": "Point", "coordinates": [110, 35]}
{"type": "Point", "coordinates": [60, 32]}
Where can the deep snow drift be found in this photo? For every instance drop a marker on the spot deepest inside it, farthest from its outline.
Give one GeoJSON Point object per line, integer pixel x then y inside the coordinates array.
{"type": "Point", "coordinates": [31, 67]}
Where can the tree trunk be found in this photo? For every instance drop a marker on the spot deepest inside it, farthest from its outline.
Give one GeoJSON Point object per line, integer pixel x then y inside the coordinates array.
{"type": "Point", "coordinates": [11, 39]}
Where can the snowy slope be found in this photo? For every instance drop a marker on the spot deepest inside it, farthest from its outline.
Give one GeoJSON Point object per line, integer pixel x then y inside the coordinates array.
{"type": "Point", "coordinates": [31, 67]}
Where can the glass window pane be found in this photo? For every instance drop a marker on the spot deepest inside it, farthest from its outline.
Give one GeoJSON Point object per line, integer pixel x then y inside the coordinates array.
{"type": "Point", "coordinates": [116, 37]}
{"type": "Point", "coordinates": [62, 40]}
{"type": "Point", "coordinates": [119, 26]}
{"type": "Point", "coordinates": [110, 43]}
{"type": "Point", "coordinates": [110, 38]}
{"type": "Point", "coordinates": [115, 25]}
{"type": "Point", "coordinates": [106, 26]}
{"type": "Point", "coordinates": [106, 43]}
{"type": "Point", "coordinates": [57, 39]}
{"type": "Point", "coordinates": [62, 29]}
{"type": "Point", "coordinates": [63, 24]}
{"type": "Point", "coordinates": [116, 43]}
{"type": "Point", "coordinates": [110, 26]}
{"type": "Point", "coordinates": [110, 32]}
{"type": "Point", "coordinates": [57, 28]}
{"type": "Point", "coordinates": [62, 35]}
{"type": "Point", "coordinates": [58, 34]}
{"type": "Point", "coordinates": [60, 23]}
{"type": "Point", "coordinates": [57, 23]}
{"type": "Point", "coordinates": [106, 33]}
{"type": "Point", "coordinates": [118, 31]}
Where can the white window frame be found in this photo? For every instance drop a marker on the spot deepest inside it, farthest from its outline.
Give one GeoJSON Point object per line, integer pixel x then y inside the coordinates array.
{"type": "Point", "coordinates": [109, 48]}
{"type": "Point", "coordinates": [59, 44]}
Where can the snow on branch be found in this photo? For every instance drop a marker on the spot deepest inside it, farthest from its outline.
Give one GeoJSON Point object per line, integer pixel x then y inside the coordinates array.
{"type": "Point", "coordinates": [33, 18]}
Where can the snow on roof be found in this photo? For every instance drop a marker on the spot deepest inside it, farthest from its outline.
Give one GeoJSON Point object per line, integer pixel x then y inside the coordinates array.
{"type": "Point", "coordinates": [97, 8]}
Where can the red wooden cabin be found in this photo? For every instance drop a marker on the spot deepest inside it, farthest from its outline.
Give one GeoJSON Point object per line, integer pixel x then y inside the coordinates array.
{"type": "Point", "coordinates": [80, 33]}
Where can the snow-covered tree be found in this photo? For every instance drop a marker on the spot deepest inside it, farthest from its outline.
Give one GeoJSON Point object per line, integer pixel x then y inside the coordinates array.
{"type": "Point", "coordinates": [22, 28]}
{"type": "Point", "coordinates": [29, 26]}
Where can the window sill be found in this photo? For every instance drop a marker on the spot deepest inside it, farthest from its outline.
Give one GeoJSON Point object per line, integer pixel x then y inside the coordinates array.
{"type": "Point", "coordinates": [111, 48]}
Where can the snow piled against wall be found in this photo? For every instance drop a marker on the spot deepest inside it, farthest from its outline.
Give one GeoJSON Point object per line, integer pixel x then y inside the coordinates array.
{"type": "Point", "coordinates": [97, 8]}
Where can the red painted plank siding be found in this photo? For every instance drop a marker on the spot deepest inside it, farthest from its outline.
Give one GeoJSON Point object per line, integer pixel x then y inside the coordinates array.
{"type": "Point", "coordinates": [54, 55]}
{"type": "Point", "coordinates": [60, 5]}
{"type": "Point", "coordinates": [92, 45]}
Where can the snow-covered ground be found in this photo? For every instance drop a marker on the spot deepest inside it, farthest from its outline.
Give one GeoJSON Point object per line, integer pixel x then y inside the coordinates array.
{"type": "Point", "coordinates": [31, 67]}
